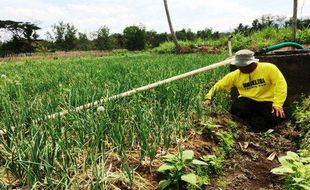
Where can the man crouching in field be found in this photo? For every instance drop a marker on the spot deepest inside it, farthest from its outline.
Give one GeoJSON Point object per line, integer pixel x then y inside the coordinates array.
{"type": "Point", "coordinates": [262, 91]}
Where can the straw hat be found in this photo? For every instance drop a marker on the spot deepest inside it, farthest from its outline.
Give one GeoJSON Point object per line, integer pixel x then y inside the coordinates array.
{"type": "Point", "coordinates": [244, 58]}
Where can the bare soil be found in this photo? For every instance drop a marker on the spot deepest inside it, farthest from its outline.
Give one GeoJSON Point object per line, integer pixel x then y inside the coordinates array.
{"type": "Point", "coordinates": [247, 168]}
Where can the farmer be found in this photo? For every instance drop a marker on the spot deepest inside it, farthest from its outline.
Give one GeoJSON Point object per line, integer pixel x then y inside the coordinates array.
{"type": "Point", "coordinates": [262, 91]}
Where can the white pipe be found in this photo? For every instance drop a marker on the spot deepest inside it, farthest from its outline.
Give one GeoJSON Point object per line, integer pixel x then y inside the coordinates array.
{"type": "Point", "coordinates": [229, 45]}
{"type": "Point", "coordinates": [136, 90]}
{"type": "Point", "coordinates": [229, 48]}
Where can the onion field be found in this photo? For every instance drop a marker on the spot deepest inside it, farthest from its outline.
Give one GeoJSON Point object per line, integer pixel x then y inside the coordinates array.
{"type": "Point", "coordinates": [81, 150]}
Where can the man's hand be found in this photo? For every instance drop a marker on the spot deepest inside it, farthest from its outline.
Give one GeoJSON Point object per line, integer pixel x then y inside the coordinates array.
{"type": "Point", "coordinates": [279, 112]}
{"type": "Point", "coordinates": [206, 103]}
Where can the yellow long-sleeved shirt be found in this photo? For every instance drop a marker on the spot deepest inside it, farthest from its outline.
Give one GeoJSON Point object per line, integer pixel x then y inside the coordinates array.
{"type": "Point", "coordinates": [265, 83]}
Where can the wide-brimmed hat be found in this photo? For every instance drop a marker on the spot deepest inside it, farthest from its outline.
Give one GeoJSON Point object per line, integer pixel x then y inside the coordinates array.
{"type": "Point", "coordinates": [244, 58]}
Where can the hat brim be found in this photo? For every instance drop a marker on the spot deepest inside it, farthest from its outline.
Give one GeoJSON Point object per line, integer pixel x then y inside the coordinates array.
{"type": "Point", "coordinates": [241, 63]}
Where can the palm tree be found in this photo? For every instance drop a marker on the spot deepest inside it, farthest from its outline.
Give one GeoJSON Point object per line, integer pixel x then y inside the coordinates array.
{"type": "Point", "coordinates": [174, 38]}
{"type": "Point", "coordinates": [294, 23]}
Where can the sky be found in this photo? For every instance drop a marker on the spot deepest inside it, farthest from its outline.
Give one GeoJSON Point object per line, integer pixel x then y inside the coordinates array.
{"type": "Point", "coordinates": [89, 15]}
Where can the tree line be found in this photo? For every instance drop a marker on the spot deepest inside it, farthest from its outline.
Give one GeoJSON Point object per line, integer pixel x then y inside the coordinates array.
{"type": "Point", "coordinates": [66, 37]}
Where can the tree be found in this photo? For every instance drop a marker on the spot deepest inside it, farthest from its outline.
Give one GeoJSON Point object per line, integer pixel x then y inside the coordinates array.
{"type": "Point", "coordinates": [301, 24]}
{"type": "Point", "coordinates": [190, 35]}
{"type": "Point", "coordinates": [102, 40]}
{"type": "Point", "coordinates": [117, 41]}
{"type": "Point", "coordinates": [83, 43]}
{"type": "Point", "coordinates": [216, 35]}
{"type": "Point", "coordinates": [162, 37]}
{"type": "Point", "coordinates": [153, 39]}
{"type": "Point", "coordinates": [267, 20]}
{"type": "Point", "coordinates": [174, 38]}
{"type": "Point", "coordinates": [150, 38]}
{"type": "Point", "coordinates": [29, 32]}
{"type": "Point", "coordinates": [23, 36]}
{"type": "Point", "coordinates": [12, 26]}
{"type": "Point", "coordinates": [185, 34]}
{"type": "Point", "coordinates": [181, 35]}
{"type": "Point", "coordinates": [70, 37]}
{"type": "Point", "coordinates": [205, 34]}
{"type": "Point", "coordinates": [294, 23]}
{"type": "Point", "coordinates": [64, 36]}
{"type": "Point", "coordinates": [242, 29]}
{"type": "Point", "coordinates": [134, 38]}
{"type": "Point", "coordinates": [59, 35]}
{"type": "Point", "coordinates": [256, 25]}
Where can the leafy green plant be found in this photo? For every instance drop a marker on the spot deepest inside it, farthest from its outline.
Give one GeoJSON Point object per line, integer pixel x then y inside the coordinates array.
{"type": "Point", "coordinates": [222, 182]}
{"type": "Point", "coordinates": [268, 133]}
{"type": "Point", "coordinates": [225, 139]}
{"type": "Point", "coordinates": [301, 116]}
{"type": "Point", "coordinates": [296, 169]}
{"type": "Point", "coordinates": [181, 167]}
{"type": "Point", "coordinates": [215, 164]}
{"type": "Point", "coordinates": [302, 113]}
{"type": "Point", "coordinates": [232, 124]}
{"type": "Point", "coordinates": [226, 142]}
{"type": "Point", "coordinates": [303, 36]}
{"type": "Point", "coordinates": [209, 129]}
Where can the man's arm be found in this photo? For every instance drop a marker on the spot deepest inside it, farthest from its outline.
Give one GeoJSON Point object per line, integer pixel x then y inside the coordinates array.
{"type": "Point", "coordinates": [280, 91]}
{"type": "Point", "coordinates": [225, 83]}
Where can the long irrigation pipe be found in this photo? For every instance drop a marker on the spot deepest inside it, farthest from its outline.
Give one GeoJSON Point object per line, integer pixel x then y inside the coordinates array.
{"type": "Point", "coordinates": [134, 91]}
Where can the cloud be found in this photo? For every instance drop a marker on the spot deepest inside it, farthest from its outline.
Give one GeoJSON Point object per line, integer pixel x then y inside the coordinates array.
{"type": "Point", "coordinates": [201, 14]}
{"type": "Point", "coordinates": [101, 9]}
{"type": "Point", "coordinates": [89, 15]}
{"type": "Point", "coordinates": [92, 16]}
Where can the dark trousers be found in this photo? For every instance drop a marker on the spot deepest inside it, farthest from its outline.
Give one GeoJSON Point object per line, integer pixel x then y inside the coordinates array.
{"type": "Point", "coordinates": [258, 114]}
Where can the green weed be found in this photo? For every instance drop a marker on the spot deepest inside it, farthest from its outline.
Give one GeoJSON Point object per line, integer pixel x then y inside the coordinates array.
{"type": "Point", "coordinates": [215, 164]}
{"type": "Point", "coordinates": [296, 169]}
{"type": "Point", "coordinates": [182, 168]}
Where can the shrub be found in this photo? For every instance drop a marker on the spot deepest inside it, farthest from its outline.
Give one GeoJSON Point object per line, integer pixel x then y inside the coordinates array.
{"type": "Point", "coordinates": [181, 168]}
{"type": "Point", "coordinates": [303, 36]}
{"type": "Point", "coordinates": [296, 169]}
{"type": "Point", "coordinates": [134, 38]}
